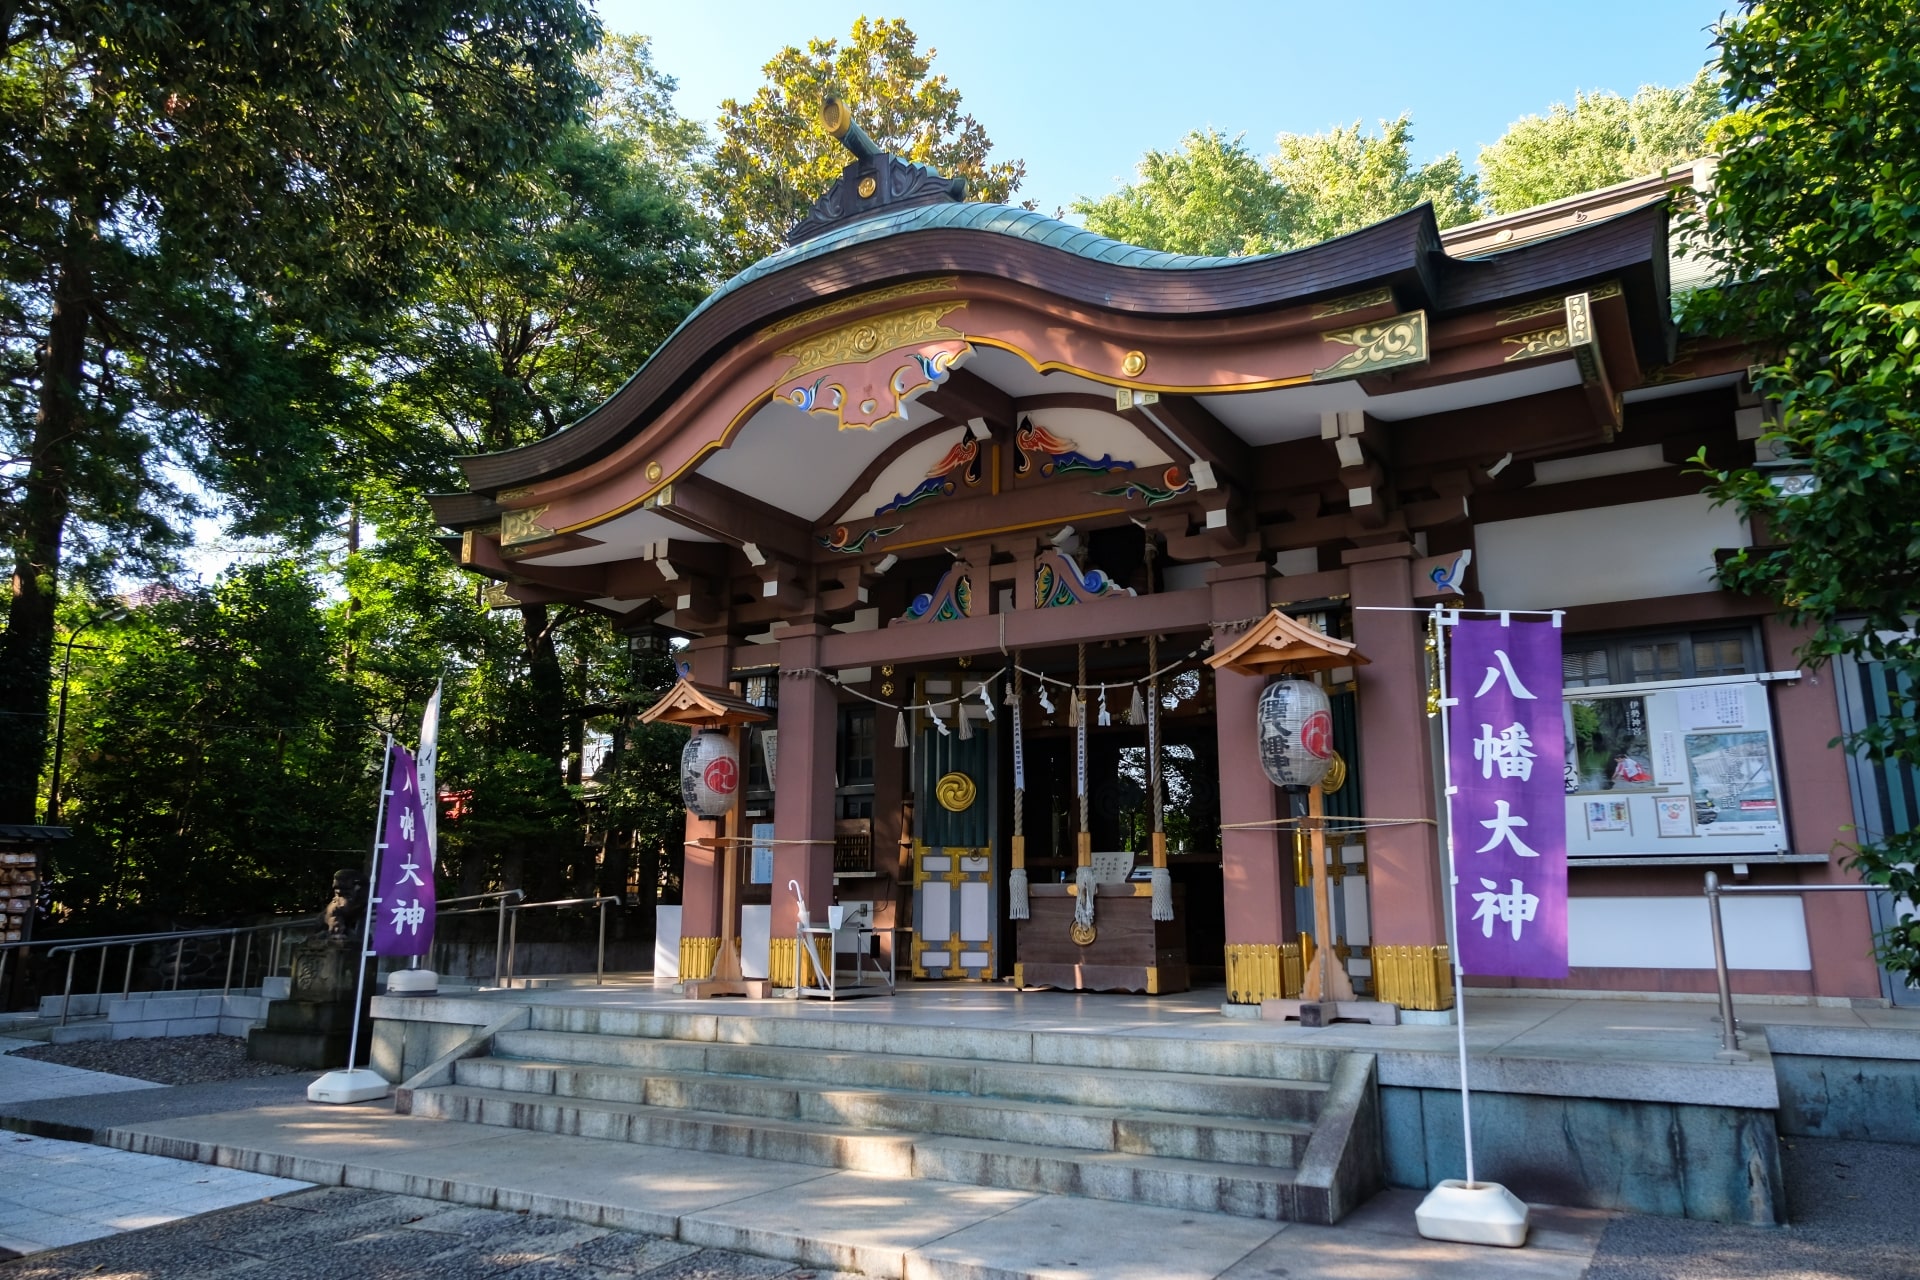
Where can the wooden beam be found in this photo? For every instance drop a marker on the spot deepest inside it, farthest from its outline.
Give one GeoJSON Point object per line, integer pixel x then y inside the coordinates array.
{"type": "Point", "coordinates": [1193, 425]}
{"type": "Point", "coordinates": [1113, 618]}
{"type": "Point", "coordinates": [735, 518]}
{"type": "Point", "coordinates": [1529, 427]}
{"type": "Point", "coordinates": [965, 395]}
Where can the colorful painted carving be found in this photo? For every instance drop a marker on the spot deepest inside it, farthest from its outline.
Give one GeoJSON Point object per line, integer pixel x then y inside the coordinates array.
{"type": "Point", "coordinates": [1174, 481]}
{"type": "Point", "coordinates": [1047, 454]}
{"type": "Point", "coordinates": [1058, 581]}
{"type": "Point", "coordinates": [865, 372]}
{"type": "Point", "coordinates": [939, 482]}
{"type": "Point", "coordinates": [843, 543]}
{"type": "Point", "coordinates": [947, 602]}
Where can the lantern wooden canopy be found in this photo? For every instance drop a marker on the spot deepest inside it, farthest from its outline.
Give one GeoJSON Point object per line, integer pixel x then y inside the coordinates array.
{"type": "Point", "coordinates": [1278, 645]}
{"type": "Point", "coordinates": [696, 706]}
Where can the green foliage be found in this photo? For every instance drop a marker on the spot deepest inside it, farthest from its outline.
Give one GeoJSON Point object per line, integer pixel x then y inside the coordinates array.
{"type": "Point", "coordinates": [1601, 139]}
{"type": "Point", "coordinates": [1214, 196]}
{"type": "Point", "coordinates": [772, 159]}
{"type": "Point", "coordinates": [1814, 218]}
{"type": "Point", "coordinates": [203, 209]}
{"type": "Point", "coordinates": [216, 766]}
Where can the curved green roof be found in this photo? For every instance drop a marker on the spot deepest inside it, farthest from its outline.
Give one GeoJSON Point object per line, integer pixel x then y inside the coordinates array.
{"type": "Point", "coordinates": [996, 219]}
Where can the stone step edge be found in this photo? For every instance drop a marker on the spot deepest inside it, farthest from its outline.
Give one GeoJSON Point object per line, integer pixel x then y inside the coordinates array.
{"type": "Point", "coordinates": [1269, 1174]}
{"type": "Point", "coordinates": [1199, 1079]}
{"type": "Point", "coordinates": [546, 1018]}
{"type": "Point", "coordinates": [690, 1228]}
{"type": "Point", "coordinates": [1144, 1115]}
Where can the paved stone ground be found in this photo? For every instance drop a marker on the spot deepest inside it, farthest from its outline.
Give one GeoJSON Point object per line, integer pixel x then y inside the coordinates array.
{"type": "Point", "coordinates": [1853, 1209]}
{"type": "Point", "coordinates": [55, 1193]}
{"type": "Point", "coordinates": [338, 1233]}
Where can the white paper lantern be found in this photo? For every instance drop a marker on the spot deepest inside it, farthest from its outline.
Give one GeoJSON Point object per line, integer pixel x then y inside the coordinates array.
{"type": "Point", "coordinates": [709, 774]}
{"type": "Point", "coordinates": [1296, 733]}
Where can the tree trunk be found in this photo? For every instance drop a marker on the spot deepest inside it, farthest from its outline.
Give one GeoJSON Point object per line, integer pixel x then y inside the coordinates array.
{"type": "Point", "coordinates": [26, 648]}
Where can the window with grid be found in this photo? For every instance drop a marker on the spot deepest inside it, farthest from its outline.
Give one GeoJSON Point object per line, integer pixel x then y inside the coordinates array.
{"type": "Point", "coordinates": [1671, 655]}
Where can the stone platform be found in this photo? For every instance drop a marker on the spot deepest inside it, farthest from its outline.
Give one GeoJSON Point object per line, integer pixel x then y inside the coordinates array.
{"type": "Point", "coordinates": [1602, 1103]}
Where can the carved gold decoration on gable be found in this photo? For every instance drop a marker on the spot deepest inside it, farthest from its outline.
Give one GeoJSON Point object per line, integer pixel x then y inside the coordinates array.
{"type": "Point", "coordinates": [1579, 319]}
{"type": "Point", "coordinates": [840, 306]}
{"type": "Point", "coordinates": [1353, 302]}
{"type": "Point", "coordinates": [494, 596]}
{"type": "Point", "coordinates": [1401, 340]}
{"type": "Point", "coordinates": [523, 526]}
{"type": "Point", "coordinates": [1553, 306]}
{"type": "Point", "coordinates": [1540, 342]}
{"type": "Point", "coordinates": [512, 495]}
{"type": "Point", "coordinates": [865, 338]}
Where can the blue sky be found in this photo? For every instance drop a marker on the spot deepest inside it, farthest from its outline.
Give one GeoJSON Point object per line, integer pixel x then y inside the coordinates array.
{"type": "Point", "coordinates": [1080, 90]}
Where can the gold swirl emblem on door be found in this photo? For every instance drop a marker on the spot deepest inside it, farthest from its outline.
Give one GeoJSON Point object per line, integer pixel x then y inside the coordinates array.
{"type": "Point", "coordinates": [955, 792]}
{"type": "Point", "coordinates": [1083, 935]}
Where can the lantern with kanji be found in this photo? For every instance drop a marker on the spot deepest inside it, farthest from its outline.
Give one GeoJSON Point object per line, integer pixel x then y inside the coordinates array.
{"type": "Point", "coordinates": [709, 774]}
{"type": "Point", "coordinates": [1296, 733]}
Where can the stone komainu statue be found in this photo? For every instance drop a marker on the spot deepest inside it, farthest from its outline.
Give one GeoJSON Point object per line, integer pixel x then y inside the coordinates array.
{"type": "Point", "coordinates": [343, 913]}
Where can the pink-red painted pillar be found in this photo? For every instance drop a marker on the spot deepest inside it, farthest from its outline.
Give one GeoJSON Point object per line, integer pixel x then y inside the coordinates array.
{"type": "Point", "coordinates": [710, 660]}
{"type": "Point", "coordinates": [803, 787]}
{"type": "Point", "coordinates": [1256, 864]}
{"type": "Point", "coordinates": [1405, 886]}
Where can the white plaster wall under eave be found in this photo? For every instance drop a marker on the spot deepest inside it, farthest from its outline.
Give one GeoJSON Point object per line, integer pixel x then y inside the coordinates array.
{"type": "Point", "coordinates": [1634, 551]}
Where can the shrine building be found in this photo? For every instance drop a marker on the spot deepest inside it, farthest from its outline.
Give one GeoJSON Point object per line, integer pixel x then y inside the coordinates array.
{"type": "Point", "coordinates": [939, 462]}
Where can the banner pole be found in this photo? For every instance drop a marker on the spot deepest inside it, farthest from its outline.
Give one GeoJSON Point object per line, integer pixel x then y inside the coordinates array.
{"type": "Point", "coordinates": [1453, 887]}
{"type": "Point", "coordinates": [366, 925]}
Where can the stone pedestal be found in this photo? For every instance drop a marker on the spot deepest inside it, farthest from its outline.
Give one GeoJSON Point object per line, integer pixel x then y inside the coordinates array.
{"type": "Point", "coordinates": [313, 1026]}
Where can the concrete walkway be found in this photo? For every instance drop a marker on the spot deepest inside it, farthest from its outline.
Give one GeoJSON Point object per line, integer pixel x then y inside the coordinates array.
{"type": "Point", "coordinates": [833, 1219]}
{"type": "Point", "coordinates": [54, 1192]}
{"type": "Point", "coordinates": [24, 1080]}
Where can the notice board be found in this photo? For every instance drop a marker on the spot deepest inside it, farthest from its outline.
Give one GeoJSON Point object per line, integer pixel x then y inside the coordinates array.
{"type": "Point", "coordinates": [1672, 769]}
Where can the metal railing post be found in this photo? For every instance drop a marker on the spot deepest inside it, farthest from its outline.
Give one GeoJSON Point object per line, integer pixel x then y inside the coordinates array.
{"type": "Point", "coordinates": [513, 944]}
{"type": "Point", "coordinates": [1729, 1032]}
{"type": "Point", "coordinates": [4, 956]}
{"type": "Point", "coordinates": [100, 981]}
{"type": "Point", "coordinates": [66, 998]}
{"type": "Point", "coordinates": [500, 942]}
{"type": "Point", "coordinates": [126, 986]}
{"type": "Point", "coordinates": [246, 960]}
{"type": "Point", "coordinates": [226, 984]}
{"type": "Point", "coordinates": [600, 956]}
{"type": "Point", "coordinates": [179, 950]}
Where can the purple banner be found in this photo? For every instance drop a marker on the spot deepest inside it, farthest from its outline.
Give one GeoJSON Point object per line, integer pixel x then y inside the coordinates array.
{"type": "Point", "coordinates": [1510, 808]}
{"type": "Point", "coordinates": [403, 871]}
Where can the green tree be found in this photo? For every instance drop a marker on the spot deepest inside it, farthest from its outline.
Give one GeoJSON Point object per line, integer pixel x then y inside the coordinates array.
{"type": "Point", "coordinates": [200, 207]}
{"type": "Point", "coordinates": [1601, 139]}
{"type": "Point", "coordinates": [219, 765]}
{"type": "Point", "coordinates": [1344, 179]}
{"type": "Point", "coordinates": [1213, 196]}
{"type": "Point", "coordinates": [772, 159]}
{"type": "Point", "coordinates": [1814, 221]}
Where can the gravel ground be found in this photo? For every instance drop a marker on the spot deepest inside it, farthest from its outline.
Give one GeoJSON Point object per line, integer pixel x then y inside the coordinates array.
{"type": "Point", "coordinates": [183, 1060]}
{"type": "Point", "coordinates": [339, 1233]}
{"type": "Point", "coordinates": [1852, 1209]}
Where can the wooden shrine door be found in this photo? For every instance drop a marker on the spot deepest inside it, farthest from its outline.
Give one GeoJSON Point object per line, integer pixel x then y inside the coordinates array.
{"type": "Point", "coordinates": [955, 894]}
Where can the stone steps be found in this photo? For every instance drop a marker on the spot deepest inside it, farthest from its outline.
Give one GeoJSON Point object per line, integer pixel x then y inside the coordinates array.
{"type": "Point", "coordinates": [1255, 1130]}
{"type": "Point", "coordinates": [1191, 1093]}
{"type": "Point", "coordinates": [1208, 1186]}
{"type": "Point", "coordinates": [1242, 1138]}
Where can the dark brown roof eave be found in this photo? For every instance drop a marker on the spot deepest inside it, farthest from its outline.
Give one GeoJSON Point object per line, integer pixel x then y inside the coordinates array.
{"type": "Point", "coordinates": [1403, 251]}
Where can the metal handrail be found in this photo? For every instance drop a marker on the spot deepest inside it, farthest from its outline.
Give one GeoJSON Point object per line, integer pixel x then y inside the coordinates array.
{"type": "Point", "coordinates": [600, 955]}
{"type": "Point", "coordinates": [1730, 1049]}
{"type": "Point", "coordinates": [133, 941]}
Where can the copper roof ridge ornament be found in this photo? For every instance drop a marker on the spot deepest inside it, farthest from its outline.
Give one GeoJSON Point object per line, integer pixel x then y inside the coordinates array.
{"type": "Point", "coordinates": [875, 181]}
